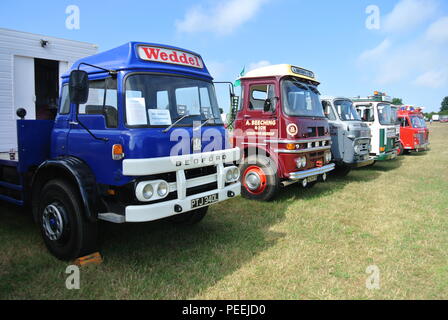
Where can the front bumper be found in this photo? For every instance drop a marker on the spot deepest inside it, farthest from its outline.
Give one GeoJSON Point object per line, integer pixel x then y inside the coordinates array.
{"type": "Point", "coordinates": [361, 163]}
{"type": "Point", "coordinates": [386, 156]}
{"type": "Point", "coordinates": [299, 175]}
{"type": "Point", "coordinates": [151, 212]}
{"type": "Point", "coordinates": [421, 147]}
{"type": "Point", "coordinates": [183, 184]}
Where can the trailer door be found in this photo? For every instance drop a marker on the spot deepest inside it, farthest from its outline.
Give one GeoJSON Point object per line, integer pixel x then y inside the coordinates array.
{"type": "Point", "coordinates": [24, 86]}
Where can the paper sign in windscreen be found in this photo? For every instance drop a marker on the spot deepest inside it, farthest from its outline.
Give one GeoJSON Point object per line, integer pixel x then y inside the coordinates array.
{"type": "Point", "coordinates": [159, 117]}
{"type": "Point", "coordinates": [136, 112]}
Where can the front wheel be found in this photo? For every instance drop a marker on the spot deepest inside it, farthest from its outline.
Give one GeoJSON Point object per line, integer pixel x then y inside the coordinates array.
{"type": "Point", "coordinates": [400, 150]}
{"type": "Point", "coordinates": [259, 178]}
{"type": "Point", "coordinates": [190, 217]}
{"type": "Point", "coordinates": [66, 231]}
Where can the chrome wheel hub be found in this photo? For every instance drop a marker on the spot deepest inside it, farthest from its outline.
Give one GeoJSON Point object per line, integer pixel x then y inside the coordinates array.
{"type": "Point", "coordinates": [52, 222]}
{"type": "Point", "coordinates": [253, 181]}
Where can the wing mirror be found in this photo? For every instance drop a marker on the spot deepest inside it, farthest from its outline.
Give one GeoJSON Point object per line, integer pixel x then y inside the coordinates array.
{"type": "Point", "coordinates": [267, 105]}
{"type": "Point", "coordinates": [78, 87]}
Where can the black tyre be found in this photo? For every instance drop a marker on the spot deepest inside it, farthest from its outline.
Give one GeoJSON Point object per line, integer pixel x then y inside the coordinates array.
{"type": "Point", "coordinates": [341, 171]}
{"type": "Point", "coordinates": [259, 179]}
{"type": "Point", "coordinates": [400, 150]}
{"type": "Point", "coordinates": [310, 185]}
{"type": "Point", "coordinates": [65, 230]}
{"type": "Point", "coordinates": [189, 218]}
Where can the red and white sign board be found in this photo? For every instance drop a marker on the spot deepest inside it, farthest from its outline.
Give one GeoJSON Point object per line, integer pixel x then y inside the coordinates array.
{"type": "Point", "coordinates": [166, 55]}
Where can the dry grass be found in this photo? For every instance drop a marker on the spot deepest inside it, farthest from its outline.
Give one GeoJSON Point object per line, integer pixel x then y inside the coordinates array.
{"type": "Point", "coordinates": [308, 244]}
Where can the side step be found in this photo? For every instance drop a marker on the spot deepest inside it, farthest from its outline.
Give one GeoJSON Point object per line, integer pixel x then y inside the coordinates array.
{"type": "Point", "coordinates": [11, 200]}
{"type": "Point", "coordinates": [112, 217]}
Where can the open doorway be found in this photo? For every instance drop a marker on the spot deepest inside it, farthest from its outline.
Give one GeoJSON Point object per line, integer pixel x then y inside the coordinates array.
{"type": "Point", "coordinates": [46, 80]}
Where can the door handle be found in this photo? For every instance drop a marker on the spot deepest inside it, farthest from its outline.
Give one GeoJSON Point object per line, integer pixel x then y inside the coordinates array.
{"type": "Point", "coordinates": [73, 123]}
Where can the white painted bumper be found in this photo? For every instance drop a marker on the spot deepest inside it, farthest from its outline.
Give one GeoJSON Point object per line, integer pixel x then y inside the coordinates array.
{"type": "Point", "coordinates": [144, 167]}
{"type": "Point", "coordinates": [179, 164]}
{"type": "Point", "coordinates": [161, 210]}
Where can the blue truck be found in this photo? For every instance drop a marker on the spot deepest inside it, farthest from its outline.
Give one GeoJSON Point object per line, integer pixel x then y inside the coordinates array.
{"type": "Point", "coordinates": [137, 137]}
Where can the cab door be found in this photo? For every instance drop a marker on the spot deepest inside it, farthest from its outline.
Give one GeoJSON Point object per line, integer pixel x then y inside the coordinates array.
{"type": "Point", "coordinates": [259, 119]}
{"type": "Point", "coordinates": [62, 124]}
{"type": "Point", "coordinates": [406, 133]}
{"type": "Point", "coordinates": [95, 130]}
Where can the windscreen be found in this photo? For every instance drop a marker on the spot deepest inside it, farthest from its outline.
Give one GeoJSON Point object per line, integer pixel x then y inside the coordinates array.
{"type": "Point", "coordinates": [346, 110]}
{"type": "Point", "coordinates": [161, 100]}
{"type": "Point", "coordinates": [301, 100]}
{"type": "Point", "coordinates": [387, 115]}
{"type": "Point", "coordinates": [418, 122]}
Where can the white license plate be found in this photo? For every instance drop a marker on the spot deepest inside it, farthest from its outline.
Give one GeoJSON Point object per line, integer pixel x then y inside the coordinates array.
{"type": "Point", "coordinates": [312, 179]}
{"type": "Point", "coordinates": [204, 201]}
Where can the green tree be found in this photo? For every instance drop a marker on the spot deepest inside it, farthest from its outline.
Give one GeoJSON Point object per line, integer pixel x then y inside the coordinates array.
{"type": "Point", "coordinates": [444, 107]}
{"type": "Point", "coordinates": [397, 101]}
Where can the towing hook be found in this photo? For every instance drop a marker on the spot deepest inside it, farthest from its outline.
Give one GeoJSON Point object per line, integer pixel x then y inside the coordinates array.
{"type": "Point", "coordinates": [178, 208]}
{"type": "Point", "coordinates": [230, 194]}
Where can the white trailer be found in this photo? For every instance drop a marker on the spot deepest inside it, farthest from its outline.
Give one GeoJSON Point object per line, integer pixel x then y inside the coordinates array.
{"type": "Point", "coordinates": [30, 70]}
{"type": "Point", "coordinates": [435, 117]}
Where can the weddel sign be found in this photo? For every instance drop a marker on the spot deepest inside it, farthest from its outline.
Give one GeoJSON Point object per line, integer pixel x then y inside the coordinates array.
{"type": "Point", "coordinates": [169, 56]}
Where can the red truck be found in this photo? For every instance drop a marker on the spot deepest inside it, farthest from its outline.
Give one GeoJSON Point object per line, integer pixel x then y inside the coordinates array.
{"type": "Point", "coordinates": [281, 130]}
{"type": "Point", "coordinates": [414, 134]}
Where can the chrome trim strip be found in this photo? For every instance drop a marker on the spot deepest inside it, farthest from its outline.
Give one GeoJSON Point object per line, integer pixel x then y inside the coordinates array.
{"type": "Point", "coordinates": [312, 172]}
{"type": "Point", "coordinates": [299, 141]}
{"type": "Point", "coordinates": [254, 144]}
{"type": "Point", "coordinates": [302, 150]}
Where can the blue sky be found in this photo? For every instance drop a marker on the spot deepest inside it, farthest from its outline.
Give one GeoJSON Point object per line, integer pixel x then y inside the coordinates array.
{"type": "Point", "coordinates": [406, 57]}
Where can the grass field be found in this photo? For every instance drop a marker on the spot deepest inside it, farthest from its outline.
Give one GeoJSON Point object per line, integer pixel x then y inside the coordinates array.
{"type": "Point", "coordinates": [307, 244]}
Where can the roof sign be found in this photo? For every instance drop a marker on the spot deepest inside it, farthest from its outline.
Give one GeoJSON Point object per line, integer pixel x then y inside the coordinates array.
{"type": "Point", "coordinates": [303, 72]}
{"type": "Point", "coordinates": [165, 55]}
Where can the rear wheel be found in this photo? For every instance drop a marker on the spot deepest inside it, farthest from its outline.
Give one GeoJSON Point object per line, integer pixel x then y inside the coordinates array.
{"type": "Point", "coordinates": [259, 178]}
{"type": "Point", "coordinates": [190, 217]}
{"type": "Point", "coordinates": [64, 227]}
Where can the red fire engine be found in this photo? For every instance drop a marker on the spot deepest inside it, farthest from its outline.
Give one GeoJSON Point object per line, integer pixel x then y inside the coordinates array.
{"type": "Point", "coordinates": [414, 134]}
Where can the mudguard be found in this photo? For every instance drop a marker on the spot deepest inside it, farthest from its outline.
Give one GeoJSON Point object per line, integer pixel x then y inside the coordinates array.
{"type": "Point", "coordinates": [79, 173]}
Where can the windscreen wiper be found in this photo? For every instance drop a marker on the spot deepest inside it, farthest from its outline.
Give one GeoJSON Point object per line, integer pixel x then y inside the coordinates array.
{"type": "Point", "coordinates": [179, 120]}
{"type": "Point", "coordinates": [205, 122]}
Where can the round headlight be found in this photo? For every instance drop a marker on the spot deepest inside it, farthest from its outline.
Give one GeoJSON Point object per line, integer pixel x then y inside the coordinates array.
{"type": "Point", "coordinates": [299, 162]}
{"type": "Point", "coordinates": [148, 191]}
{"type": "Point", "coordinates": [162, 189]}
{"type": "Point", "coordinates": [229, 175]}
{"type": "Point", "coordinates": [236, 174]}
{"type": "Point", "coordinates": [304, 162]}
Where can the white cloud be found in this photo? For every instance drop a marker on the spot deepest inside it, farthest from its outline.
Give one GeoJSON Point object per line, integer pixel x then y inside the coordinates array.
{"type": "Point", "coordinates": [376, 52]}
{"type": "Point", "coordinates": [432, 79]}
{"type": "Point", "coordinates": [438, 31]}
{"type": "Point", "coordinates": [222, 19]}
{"type": "Point", "coordinates": [259, 64]}
{"type": "Point", "coordinates": [420, 60]}
{"type": "Point", "coordinates": [409, 14]}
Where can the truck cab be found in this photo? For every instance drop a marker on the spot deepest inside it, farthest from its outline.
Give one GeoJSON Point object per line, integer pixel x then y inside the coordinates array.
{"type": "Point", "coordinates": [138, 137]}
{"type": "Point", "coordinates": [381, 117]}
{"type": "Point", "coordinates": [350, 136]}
{"type": "Point", "coordinates": [414, 134]}
{"type": "Point", "coordinates": [281, 131]}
